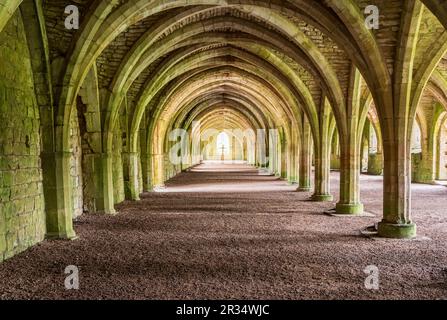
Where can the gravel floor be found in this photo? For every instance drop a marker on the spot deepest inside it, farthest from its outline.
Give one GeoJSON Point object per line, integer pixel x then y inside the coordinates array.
{"type": "Point", "coordinates": [237, 234]}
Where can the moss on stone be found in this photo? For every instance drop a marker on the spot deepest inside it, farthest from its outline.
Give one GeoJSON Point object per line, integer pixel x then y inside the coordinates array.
{"type": "Point", "coordinates": [375, 164]}
{"type": "Point", "coordinates": [22, 217]}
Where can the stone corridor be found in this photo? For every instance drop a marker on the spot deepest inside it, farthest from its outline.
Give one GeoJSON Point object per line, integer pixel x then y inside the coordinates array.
{"type": "Point", "coordinates": [229, 231]}
{"type": "Point", "coordinates": [193, 148]}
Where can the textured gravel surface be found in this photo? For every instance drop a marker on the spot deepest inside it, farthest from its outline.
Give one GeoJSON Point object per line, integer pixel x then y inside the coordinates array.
{"type": "Point", "coordinates": [238, 234]}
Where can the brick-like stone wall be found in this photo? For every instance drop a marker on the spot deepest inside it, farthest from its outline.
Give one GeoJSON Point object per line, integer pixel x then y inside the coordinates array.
{"type": "Point", "coordinates": [58, 36]}
{"type": "Point", "coordinates": [22, 214]}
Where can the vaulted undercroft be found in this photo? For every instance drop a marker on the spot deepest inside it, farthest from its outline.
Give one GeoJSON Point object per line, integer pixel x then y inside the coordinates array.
{"type": "Point", "coordinates": [91, 116]}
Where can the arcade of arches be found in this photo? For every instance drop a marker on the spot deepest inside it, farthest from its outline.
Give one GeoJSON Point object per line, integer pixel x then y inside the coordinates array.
{"type": "Point", "coordinates": [87, 114]}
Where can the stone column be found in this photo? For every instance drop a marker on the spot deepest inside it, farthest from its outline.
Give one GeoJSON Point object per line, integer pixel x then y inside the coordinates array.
{"type": "Point", "coordinates": [261, 149]}
{"type": "Point", "coordinates": [236, 150]}
{"type": "Point", "coordinates": [157, 171]}
{"type": "Point", "coordinates": [396, 221]}
{"type": "Point", "coordinates": [350, 146]}
{"type": "Point", "coordinates": [335, 155]}
{"type": "Point", "coordinates": [375, 157]}
{"type": "Point", "coordinates": [322, 175]}
{"type": "Point", "coordinates": [284, 158]}
{"type": "Point", "coordinates": [145, 160]}
{"type": "Point", "coordinates": [57, 190]}
{"type": "Point", "coordinates": [272, 152]}
{"type": "Point", "coordinates": [323, 157]}
{"type": "Point", "coordinates": [105, 201]}
{"type": "Point", "coordinates": [397, 132]}
{"type": "Point", "coordinates": [146, 172]}
{"type": "Point", "coordinates": [251, 150]}
{"type": "Point", "coordinates": [277, 147]}
{"type": "Point", "coordinates": [349, 202]}
{"type": "Point", "coordinates": [131, 183]}
{"type": "Point", "coordinates": [305, 159]}
{"type": "Point", "coordinates": [422, 166]}
{"type": "Point", "coordinates": [375, 164]}
{"type": "Point", "coordinates": [293, 162]}
{"type": "Point", "coordinates": [97, 166]}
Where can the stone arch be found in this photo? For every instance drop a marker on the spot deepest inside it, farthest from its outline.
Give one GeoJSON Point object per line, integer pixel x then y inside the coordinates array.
{"type": "Point", "coordinates": [308, 99]}
{"type": "Point", "coordinates": [7, 9]}
{"type": "Point", "coordinates": [210, 87]}
{"type": "Point", "coordinates": [38, 47]}
{"type": "Point", "coordinates": [106, 35]}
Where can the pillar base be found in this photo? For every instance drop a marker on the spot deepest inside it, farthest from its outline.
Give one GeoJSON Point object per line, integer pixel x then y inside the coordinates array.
{"type": "Point", "coordinates": [61, 236]}
{"type": "Point", "coordinates": [304, 189]}
{"type": "Point", "coordinates": [349, 209]}
{"type": "Point", "coordinates": [109, 212]}
{"type": "Point", "coordinates": [396, 231]}
{"type": "Point", "coordinates": [424, 181]}
{"type": "Point", "coordinates": [322, 197]}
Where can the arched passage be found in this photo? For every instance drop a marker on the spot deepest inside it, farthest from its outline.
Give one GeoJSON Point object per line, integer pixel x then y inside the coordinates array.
{"type": "Point", "coordinates": [145, 91]}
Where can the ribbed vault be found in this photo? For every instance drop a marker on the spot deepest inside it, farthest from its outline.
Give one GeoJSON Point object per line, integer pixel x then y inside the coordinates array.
{"type": "Point", "coordinates": [306, 81]}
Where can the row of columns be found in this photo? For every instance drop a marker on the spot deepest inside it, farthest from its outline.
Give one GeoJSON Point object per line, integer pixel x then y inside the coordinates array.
{"type": "Point", "coordinates": [291, 160]}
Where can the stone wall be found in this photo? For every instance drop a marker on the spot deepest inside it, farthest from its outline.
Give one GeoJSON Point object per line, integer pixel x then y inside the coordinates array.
{"type": "Point", "coordinates": [22, 213]}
